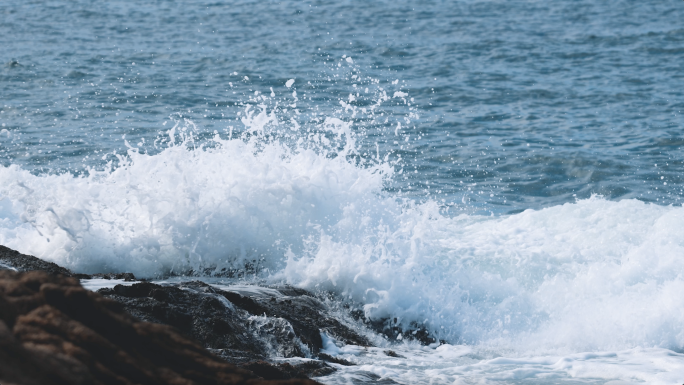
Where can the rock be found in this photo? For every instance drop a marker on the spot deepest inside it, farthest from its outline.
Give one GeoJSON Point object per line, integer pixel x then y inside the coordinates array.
{"type": "Point", "coordinates": [256, 364]}
{"type": "Point", "coordinates": [128, 277]}
{"type": "Point", "coordinates": [267, 371]}
{"type": "Point", "coordinates": [14, 260]}
{"type": "Point", "coordinates": [243, 322]}
{"type": "Point", "coordinates": [392, 353]}
{"type": "Point", "coordinates": [53, 331]}
{"type": "Point", "coordinates": [244, 325]}
{"type": "Point", "coordinates": [204, 316]}
{"type": "Point", "coordinates": [334, 360]}
{"type": "Point", "coordinates": [307, 314]}
{"type": "Point", "coordinates": [390, 328]}
{"type": "Point", "coordinates": [314, 368]}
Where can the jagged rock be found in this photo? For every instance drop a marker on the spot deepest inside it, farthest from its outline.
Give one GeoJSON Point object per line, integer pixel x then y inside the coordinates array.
{"type": "Point", "coordinates": [128, 277]}
{"type": "Point", "coordinates": [267, 371]}
{"type": "Point", "coordinates": [258, 366]}
{"type": "Point", "coordinates": [238, 357]}
{"type": "Point", "coordinates": [390, 328]}
{"type": "Point", "coordinates": [392, 353]}
{"type": "Point", "coordinates": [205, 316]}
{"type": "Point", "coordinates": [286, 371]}
{"type": "Point", "coordinates": [248, 321]}
{"type": "Point", "coordinates": [244, 325]}
{"type": "Point", "coordinates": [307, 315]}
{"type": "Point", "coordinates": [14, 260]}
{"type": "Point", "coordinates": [53, 331]}
{"type": "Point", "coordinates": [314, 368]}
{"type": "Point", "coordinates": [334, 360]}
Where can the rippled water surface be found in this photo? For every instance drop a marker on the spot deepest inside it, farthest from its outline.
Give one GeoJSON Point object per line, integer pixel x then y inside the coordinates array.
{"type": "Point", "coordinates": [506, 174]}
{"type": "Point", "coordinates": [518, 104]}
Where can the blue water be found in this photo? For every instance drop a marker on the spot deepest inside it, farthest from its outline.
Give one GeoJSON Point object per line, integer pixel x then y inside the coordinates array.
{"type": "Point", "coordinates": [506, 174]}
{"type": "Point", "coordinates": [536, 103]}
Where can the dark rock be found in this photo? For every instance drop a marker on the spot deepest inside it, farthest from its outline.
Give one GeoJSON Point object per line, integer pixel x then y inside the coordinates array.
{"type": "Point", "coordinates": [251, 322]}
{"type": "Point", "coordinates": [14, 260]}
{"type": "Point", "coordinates": [315, 369]}
{"type": "Point", "coordinates": [335, 360]}
{"type": "Point", "coordinates": [371, 378]}
{"type": "Point", "coordinates": [62, 333]}
{"type": "Point", "coordinates": [128, 277]}
{"type": "Point", "coordinates": [201, 315]}
{"type": "Point", "coordinates": [286, 371]}
{"type": "Point", "coordinates": [237, 357]}
{"type": "Point", "coordinates": [245, 325]}
{"type": "Point", "coordinates": [308, 369]}
{"type": "Point", "coordinates": [265, 370]}
{"type": "Point", "coordinates": [307, 315]}
{"type": "Point", "coordinates": [390, 328]}
{"type": "Point", "coordinates": [392, 353]}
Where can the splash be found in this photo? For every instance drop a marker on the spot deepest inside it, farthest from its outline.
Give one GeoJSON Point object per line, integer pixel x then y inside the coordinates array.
{"type": "Point", "coordinates": [593, 275]}
{"type": "Point", "coordinates": [305, 201]}
{"type": "Point", "coordinates": [189, 207]}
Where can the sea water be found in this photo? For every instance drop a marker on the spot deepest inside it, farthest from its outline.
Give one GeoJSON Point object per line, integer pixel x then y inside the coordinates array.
{"type": "Point", "coordinates": [507, 174]}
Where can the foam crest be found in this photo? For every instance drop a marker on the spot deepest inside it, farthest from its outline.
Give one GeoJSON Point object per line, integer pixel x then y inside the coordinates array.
{"type": "Point", "coordinates": [188, 207]}
{"type": "Point", "coordinates": [595, 275]}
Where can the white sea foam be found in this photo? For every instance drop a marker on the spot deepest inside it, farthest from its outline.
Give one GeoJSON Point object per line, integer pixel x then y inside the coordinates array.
{"type": "Point", "coordinates": [458, 364]}
{"type": "Point", "coordinates": [101, 283]}
{"type": "Point", "coordinates": [592, 276]}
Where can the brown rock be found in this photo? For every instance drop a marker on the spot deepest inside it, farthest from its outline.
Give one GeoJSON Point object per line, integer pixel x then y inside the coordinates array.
{"type": "Point", "coordinates": [53, 331]}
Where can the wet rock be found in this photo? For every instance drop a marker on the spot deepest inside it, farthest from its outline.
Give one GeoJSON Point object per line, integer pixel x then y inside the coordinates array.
{"type": "Point", "coordinates": [250, 321]}
{"type": "Point", "coordinates": [392, 353]}
{"type": "Point", "coordinates": [256, 364]}
{"type": "Point", "coordinates": [14, 260]}
{"type": "Point", "coordinates": [361, 378]}
{"type": "Point", "coordinates": [395, 332]}
{"type": "Point", "coordinates": [315, 368]}
{"type": "Point", "coordinates": [307, 315]}
{"type": "Point", "coordinates": [202, 315]}
{"type": "Point", "coordinates": [237, 357]}
{"type": "Point", "coordinates": [53, 331]}
{"type": "Point", "coordinates": [335, 360]}
{"type": "Point", "coordinates": [284, 371]}
{"type": "Point", "coordinates": [128, 277]}
{"type": "Point", "coordinates": [243, 325]}
{"type": "Point", "coordinates": [267, 371]}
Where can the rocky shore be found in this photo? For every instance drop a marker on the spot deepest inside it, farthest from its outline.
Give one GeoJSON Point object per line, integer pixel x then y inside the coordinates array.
{"type": "Point", "coordinates": [54, 331]}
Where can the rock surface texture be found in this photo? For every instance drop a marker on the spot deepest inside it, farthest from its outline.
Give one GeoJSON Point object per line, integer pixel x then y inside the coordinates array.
{"type": "Point", "coordinates": [245, 325]}
{"type": "Point", "coordinates": [53, 331]}
{"type": "Point", "coordinates": [14, 260]}
{"type": "Point", "coordinates": [284, 321]}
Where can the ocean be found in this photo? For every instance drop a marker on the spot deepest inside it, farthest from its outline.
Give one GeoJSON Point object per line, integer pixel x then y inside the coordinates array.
{"type": "Point", "coordinates": [508, 174]}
